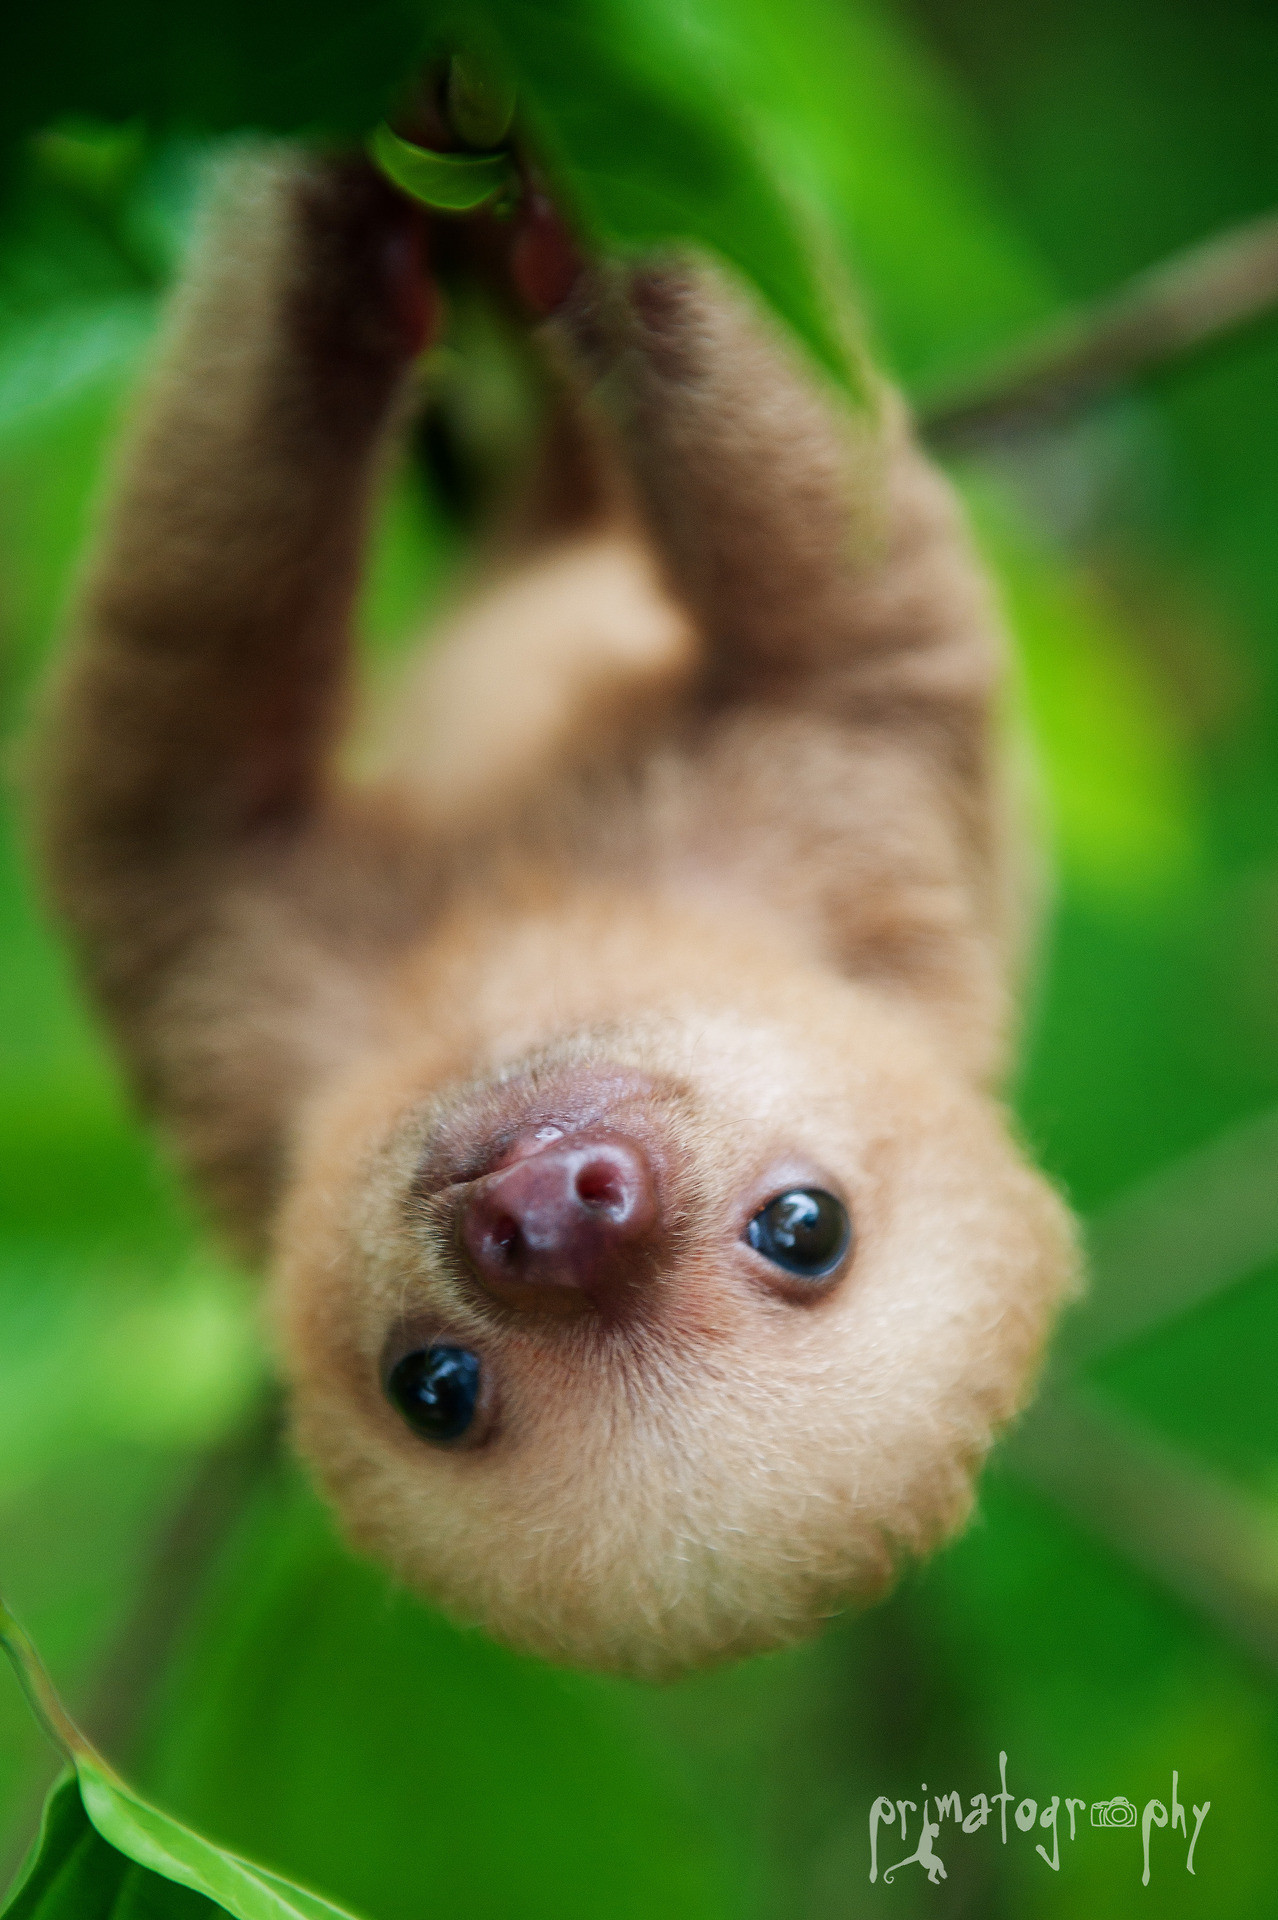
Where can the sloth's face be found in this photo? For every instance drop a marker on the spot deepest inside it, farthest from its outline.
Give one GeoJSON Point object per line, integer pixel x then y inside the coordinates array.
{"type": "Point", "coordinates": [666, 1342]}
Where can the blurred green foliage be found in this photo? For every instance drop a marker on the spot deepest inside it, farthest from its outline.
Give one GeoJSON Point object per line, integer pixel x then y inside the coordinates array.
{"type": "Point", "coordinates": [975, 166]}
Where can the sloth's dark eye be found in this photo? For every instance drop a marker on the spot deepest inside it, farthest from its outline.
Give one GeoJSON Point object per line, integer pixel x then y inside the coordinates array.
{"type": "Point", "coordinates": [436, 1390]}
{"type": "Point", "coordinates": [806, 1231]}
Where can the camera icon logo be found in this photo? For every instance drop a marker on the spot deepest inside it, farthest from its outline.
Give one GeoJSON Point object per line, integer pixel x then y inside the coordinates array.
{"type": "Point", "coordinates": [1117, 1812]}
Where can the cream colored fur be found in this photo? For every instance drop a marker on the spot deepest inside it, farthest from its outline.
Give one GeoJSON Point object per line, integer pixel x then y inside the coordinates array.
{"type": "Point", "coordinates": [695, 824]}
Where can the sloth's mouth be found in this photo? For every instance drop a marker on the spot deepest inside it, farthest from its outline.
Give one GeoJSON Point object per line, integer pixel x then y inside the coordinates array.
{"type": "Point", "coordinates": [493, 1126]}
{"type": "Point", "coordinates": [505, 1154]}
{"type": "Point", "coordinates": [527, 1146]}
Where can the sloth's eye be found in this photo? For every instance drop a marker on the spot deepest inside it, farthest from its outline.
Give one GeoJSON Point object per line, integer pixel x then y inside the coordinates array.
{"type": "Point", "coordinates": [436, 1390]}
{"type": "Point", "coordinates": [806, 1231]}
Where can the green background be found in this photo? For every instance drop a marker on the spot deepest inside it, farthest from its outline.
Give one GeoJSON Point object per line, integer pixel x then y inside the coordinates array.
{"type": "Point", "coordinates": [1113, 1613]}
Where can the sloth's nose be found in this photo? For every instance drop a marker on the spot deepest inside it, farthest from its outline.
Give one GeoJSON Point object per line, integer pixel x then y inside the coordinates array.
{"type": "Point", "coordinates": [568, 1227]}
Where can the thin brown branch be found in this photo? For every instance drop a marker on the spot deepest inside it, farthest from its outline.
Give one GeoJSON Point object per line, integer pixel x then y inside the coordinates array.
{"type": "Point", "coordinates": [1189, 301]}
{"type": "Point", "coordinates": [1185, 1234]}
{"type": "Point", "coordinates": [1212, 1544]}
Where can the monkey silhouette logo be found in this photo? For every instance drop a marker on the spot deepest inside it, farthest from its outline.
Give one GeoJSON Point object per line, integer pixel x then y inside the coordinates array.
{"type": "Point", "coordinates": [607, 1073]}
{"type": "Point", "coordinates": [924, 1854]}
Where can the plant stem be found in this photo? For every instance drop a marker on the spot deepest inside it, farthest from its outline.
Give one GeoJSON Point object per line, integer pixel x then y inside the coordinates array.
{"type": "Point", "coordinates": [42, 1695]}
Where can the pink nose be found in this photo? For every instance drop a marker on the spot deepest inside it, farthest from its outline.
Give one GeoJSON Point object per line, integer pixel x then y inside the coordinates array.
{"type": "Point", "coordinates": [564, 1228]}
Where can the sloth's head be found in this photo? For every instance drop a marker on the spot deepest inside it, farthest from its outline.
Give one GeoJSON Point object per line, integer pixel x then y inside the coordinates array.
{"type": "Point", "coordinates": [666, 1341]}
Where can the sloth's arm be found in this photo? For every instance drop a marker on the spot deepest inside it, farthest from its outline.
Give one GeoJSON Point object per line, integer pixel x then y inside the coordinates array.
{"type": "Point", "coordinates": [847, 764]}
{"type": "Point", "coordinates": [820, 551]}
{"type": "Point", "coordinates": [209, 880]}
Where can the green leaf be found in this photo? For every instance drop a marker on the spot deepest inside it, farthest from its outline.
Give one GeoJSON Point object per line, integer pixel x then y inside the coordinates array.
{"type": "Point", "coordinates": [74, 1874]}
{"type": "Point", "coordinates": [641, 132]}
{"type": "Point", "coordinates": [453, 182]}
{"type": "Point", "coordinates": [846, 114]}
{"type": "Point", "coordinates": [103, 1852]}
{"type": "Point", "coordinates": [639, 128]}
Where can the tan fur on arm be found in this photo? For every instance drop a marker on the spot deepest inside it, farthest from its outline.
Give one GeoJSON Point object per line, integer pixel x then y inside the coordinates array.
{"type": "Point", "coordinates": [844, 758]}
{"type": "Point", "coordinates": [182, 765]}
{"type": "Point", "coordinates": [807, 536]}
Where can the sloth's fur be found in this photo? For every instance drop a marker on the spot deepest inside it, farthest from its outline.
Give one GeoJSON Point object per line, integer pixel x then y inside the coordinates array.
{"type": "Point", "coordinates": [696, 824]}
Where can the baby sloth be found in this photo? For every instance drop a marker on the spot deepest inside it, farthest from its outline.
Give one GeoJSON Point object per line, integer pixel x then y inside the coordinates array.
{"type": "Point", "coordinates": [609, 1075]}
